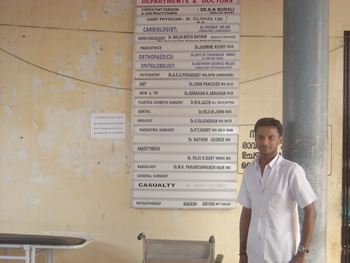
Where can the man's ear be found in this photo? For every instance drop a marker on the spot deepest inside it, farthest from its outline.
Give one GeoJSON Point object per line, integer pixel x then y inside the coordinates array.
{"type": "Point", "coordinates": [281, 139]}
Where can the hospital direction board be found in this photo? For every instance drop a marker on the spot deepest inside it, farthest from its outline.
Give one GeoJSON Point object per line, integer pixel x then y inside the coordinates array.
{"type": "Point", "coordinates": [212, 195]}
{"type": "Point", "coordinates": [182, 83]}
{"type": "Point", "coordinates": [192, 56]}
{"type": "Point", "coordinates": [190, 65]}
{"type": "Point", "coordinates": [185, 185]}
{"type": "Point", "coordinates": [176, 199]}
{"type": "Point", "coordinates": [182, 148]}
{"type": "Point", "coordinates": [187, 47]}
{"type": "Point", "coordinates": [192, 120]}
{"type": "Point", "coordinates": [185, 104]}
{"type": "Point", "coordinates": [184, 167]}
{"type": "Point", "coordinates": [189, 195]}
{"type": "Point", "coordinates": [168, 75]}
{"type": "Point", "coordinates": [227, 139]}
{"type": "Point", "coordinates": [180, 130]}
{"type": "Point", "coordinates": [186, 3]}
{"type": "Point", "coordinates": [179, 157]}
{"type": "Point", "coordinates": [145, 176]}
{"type": "Point", "coordinates": [192, 28]}
{"type": "Point", "coordinates": [200, 203]}
{"type": "Point", "coordinates": [166, 20]}
{"type": "Point", "coordinates": [179, 10]}
{"type": "Point", "coordinates": [188, 37]}
{"type": "Point", "coordinates": [149, 112]}
{"type": "Point", "coordinates": [158, 93]}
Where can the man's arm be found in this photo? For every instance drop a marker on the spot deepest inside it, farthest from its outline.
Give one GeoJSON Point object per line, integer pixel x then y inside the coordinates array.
{"type": "Point", "coordinates": [243, 233]}
{"type": "Point", "coordinates": [307, 230]}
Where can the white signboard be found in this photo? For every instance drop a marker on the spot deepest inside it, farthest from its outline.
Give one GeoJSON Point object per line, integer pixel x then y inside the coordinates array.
{"type": "Point", "coordinates": [185, 104]}
{"type": "Point", "coordinates": [248, 151]}
{"type": "Point", "coordinates": [108, 125]}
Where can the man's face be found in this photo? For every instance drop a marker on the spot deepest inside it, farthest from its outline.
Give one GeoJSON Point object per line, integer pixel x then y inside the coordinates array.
{"type": "Point", "coordinates": [267, 140]}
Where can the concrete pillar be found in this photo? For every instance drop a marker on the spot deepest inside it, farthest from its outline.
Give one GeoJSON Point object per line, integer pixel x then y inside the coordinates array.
{"type": "Point", "coordinates": [305, 103]}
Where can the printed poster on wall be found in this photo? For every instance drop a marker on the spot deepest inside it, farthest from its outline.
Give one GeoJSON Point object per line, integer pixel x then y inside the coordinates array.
{"type": "Point", "coordinates": [185, 103]}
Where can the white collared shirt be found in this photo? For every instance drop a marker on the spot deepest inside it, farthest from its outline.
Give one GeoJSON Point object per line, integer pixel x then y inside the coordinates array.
{"type": "Point", "coordinates": [274, 228]}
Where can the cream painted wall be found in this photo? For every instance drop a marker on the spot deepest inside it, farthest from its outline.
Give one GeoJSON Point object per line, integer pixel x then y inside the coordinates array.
{"type": "Point", "coordinates": [55, 179]}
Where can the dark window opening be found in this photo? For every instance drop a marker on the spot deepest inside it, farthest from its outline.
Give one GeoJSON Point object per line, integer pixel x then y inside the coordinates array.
{"type": "Point", "coordinates": [345, 238]}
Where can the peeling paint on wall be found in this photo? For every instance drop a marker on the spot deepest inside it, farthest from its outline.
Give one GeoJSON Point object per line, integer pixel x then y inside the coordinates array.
{"type": "Point", "coordinates": [115, 82]}
{"type": "Point", "coordinates": [6, 156]}
{"type": "Point", "coordinates": [79, 152]}
{"type": "Point", "coordinates": [117, 8]}
{"type": "Point", "coordinates": [36, 84]}
{"type": "Point", "coordinates": [117, 59]}
{"type": "Point", "coordinates": [9, 177]}
{"type": "Point", "coordinates": [84, 16]}
{"type": "Point", "coordinates": [129, 64]}
{"type": "Point", "coordinates": [23, 154]}
{"type": "Point", "coordinates": [38, 177]}
{"type": "Point", "coordinates": [47, 137]}
{"type": "Point", "coordinates": [14, 135]}
{"type": "Point", "coordinates": [88, 62]}
{"type": "Point", "coordinates": [76, 158]}
{"type": "Point", "coordinates": [130, 40]}
{"type": "Point", "coordinates": [68, 81]}
{"type": "Point", "coordinates": [31, 200]}
{"type": "Point", "coordinates": [8, 110]}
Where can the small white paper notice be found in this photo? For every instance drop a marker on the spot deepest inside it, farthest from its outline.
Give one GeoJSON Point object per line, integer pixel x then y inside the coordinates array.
{"type": "Point", "coordinates": [108, 125]}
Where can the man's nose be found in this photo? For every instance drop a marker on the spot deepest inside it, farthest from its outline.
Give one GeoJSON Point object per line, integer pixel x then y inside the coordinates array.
{"type": "Point", "coordinates": [265, 141]}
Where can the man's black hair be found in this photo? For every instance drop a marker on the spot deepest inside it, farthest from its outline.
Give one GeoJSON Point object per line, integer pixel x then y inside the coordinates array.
{"type": "Point", "coordinates": [269, 122]}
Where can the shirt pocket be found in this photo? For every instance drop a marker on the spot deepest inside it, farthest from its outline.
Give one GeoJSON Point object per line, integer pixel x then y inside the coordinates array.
{"type": "Point", "coordinates": [278, 246]}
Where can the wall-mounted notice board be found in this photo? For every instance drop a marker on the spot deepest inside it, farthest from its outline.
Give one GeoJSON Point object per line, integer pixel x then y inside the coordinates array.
{"type": "Point", "coordinates": [185, 103]}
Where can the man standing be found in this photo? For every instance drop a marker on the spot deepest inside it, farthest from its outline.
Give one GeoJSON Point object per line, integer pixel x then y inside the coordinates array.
{"type": "Point", "coordinates": [271, 189]}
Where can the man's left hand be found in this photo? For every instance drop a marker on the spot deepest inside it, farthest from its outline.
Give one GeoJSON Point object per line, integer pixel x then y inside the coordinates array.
{"type": "Point", "coordinates": [298, 258]}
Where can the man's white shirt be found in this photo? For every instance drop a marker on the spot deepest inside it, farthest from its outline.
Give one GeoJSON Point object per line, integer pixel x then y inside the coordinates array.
{"type": "Point", "coordinates": [274, 228]}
